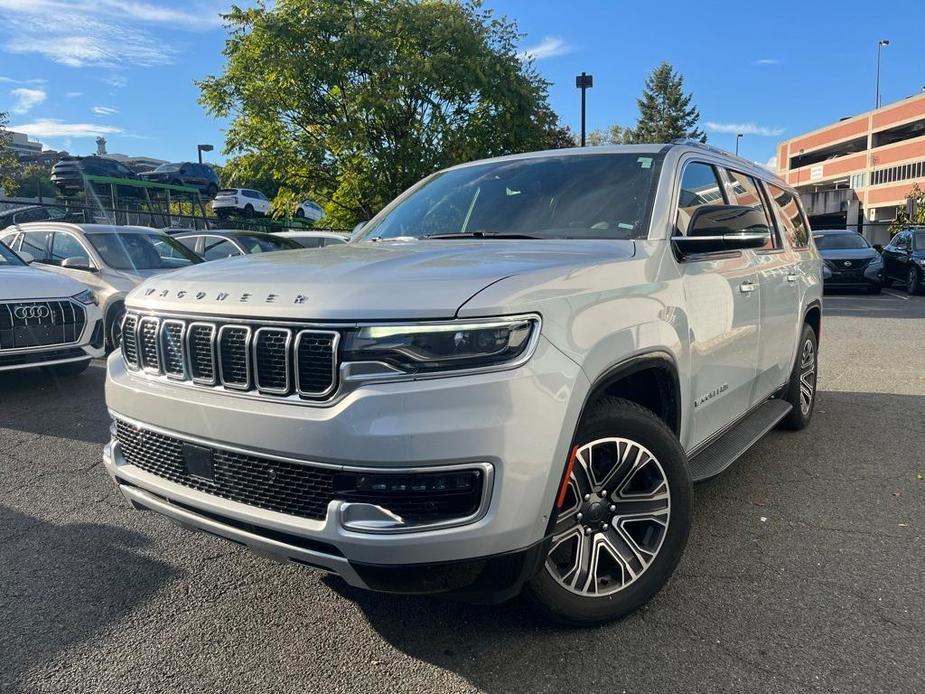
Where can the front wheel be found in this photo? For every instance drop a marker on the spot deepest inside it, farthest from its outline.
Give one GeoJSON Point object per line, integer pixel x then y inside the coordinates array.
{"type": "Point", "coordinates": [914, 281]}
{"type": "Point", "coordinates": [801, 389]}
{"type": "Point", "coordinates": [114, 326]}
{"type": "Point", "coordinates": [622, 521]}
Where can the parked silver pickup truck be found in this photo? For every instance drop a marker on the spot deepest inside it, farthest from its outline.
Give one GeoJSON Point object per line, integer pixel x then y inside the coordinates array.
{"type": "Point", "coordinates": [508, 382]}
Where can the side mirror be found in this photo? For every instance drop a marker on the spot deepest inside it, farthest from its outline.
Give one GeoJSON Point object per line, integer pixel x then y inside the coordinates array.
{"type": "Point", "coordinates": [878, 247]}
{"type": "Point", "coordinates": [714, 228]}
{"type": "Point", "coordinates": [27, 258]}
{"type": "Point", "coordinates": [77, 263]}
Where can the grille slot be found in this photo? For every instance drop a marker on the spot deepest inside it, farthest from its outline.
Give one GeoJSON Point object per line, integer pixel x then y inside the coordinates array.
{"type": "Point", "coordinates": [130, 340]}
{"type": "Point", "coordinates": [315, 362]}
{"type": "Point", "coordinates": [271, 360]}
{"type": "Point", "coordinates": [148, 349]}
{"type": "Point", "coordinates": [284, 487]}
{"type": "Point", "coordinates": [172, 348]}
{"type": "Point", "coordinates": [25, 324]}
{"type": "Point", "coordinates": [233, 359]}
{"type": "Point", "coordinates": [200, 345]}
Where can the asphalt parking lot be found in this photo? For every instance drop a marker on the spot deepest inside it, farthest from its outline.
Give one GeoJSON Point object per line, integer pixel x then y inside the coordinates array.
{"type": "Point", "coordinates": [804, 572]}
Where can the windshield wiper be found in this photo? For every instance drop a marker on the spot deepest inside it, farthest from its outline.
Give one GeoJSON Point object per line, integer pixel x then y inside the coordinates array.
{"type": "Point", "coordinates": [480, 235]}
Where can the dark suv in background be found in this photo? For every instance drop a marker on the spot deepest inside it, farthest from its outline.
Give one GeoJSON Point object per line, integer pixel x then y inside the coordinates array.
{"type": "Point", "coordinates": [68, 173]}
{"type": "Point", "coordinates": [904, 260]}
{"type": "Point", "coordinates": [201, 176]}
{"type": "Point", "coordinates": [850, 262]}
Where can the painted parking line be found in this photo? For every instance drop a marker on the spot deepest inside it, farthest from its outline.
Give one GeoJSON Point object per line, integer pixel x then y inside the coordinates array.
{"type": "Point", "coordinates": [894, 294]}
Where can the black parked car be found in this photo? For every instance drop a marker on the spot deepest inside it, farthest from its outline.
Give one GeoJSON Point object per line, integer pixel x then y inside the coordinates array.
{"type": "Point", "coordinates": [226, 243]}
{"type": "Point", "coordinates": [850, 262]}
{"type": "Point", "coordinates": [68, 173]}
{"type": "Point", "coordinates": [904, 260]}
{"type": "Point", "coordinates": [32, 213]}
{"type": "Point", "coordinates": [186, 173]}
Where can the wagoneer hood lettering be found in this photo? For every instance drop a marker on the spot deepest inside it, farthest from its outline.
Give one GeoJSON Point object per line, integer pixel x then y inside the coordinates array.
{"type": "Point", "coordinates": [367, 281]}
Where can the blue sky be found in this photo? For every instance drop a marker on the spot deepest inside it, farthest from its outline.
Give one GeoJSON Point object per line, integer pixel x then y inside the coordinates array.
{"type": "Point", "coordinates": [73, 69]}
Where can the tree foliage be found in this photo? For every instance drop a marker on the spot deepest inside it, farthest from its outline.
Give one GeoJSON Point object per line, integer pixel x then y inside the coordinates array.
{"type": "Point", "coordinates": [665, 111]}
{"type": "Point", "coordinates": [10, 168]}
{"type": "Point", "coordinates": [614, 135]}
{"type": "Point", "coordinates": [350, 102]}
{"type": "Point", "coordinates": [903, 219]}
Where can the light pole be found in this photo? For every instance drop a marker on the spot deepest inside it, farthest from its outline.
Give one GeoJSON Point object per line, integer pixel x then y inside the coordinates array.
{"type": "Point", "coordinates": [738, 137]}
{"type": "Point", "coordinates": [880, 44]}
{"type": "Point", "coordinates": [203, 148]}
{"type": "Point", "coordinates": [584, 82]}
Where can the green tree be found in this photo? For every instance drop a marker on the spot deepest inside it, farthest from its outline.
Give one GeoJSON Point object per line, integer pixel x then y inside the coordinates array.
{"type": "Point", "coordinates": [903, 219]}
{"type": "Point", "coordinates": [349, 102]}
{"type": "Point", "coordinates": [614, 135]}
{"type": "Point", "coordinates": [665, 111]}
{"type": "Point", "coordinates": [10, 168]}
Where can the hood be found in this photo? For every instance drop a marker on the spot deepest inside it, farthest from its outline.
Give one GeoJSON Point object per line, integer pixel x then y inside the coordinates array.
{"type": "Point", "coordinates": [364, 281]}
{"type": "Point", "coordinates": [849, 253]}
{"type": "Point", "coordinates": [31, 283]}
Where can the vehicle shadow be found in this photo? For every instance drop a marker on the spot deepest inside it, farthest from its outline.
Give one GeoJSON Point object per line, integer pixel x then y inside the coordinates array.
{"type": "Point", "coordinates": [752, 561]}
{"type": "Point", "coordinates": [61, 584]}
{"type": "Point", "coordinates": [37, 402]}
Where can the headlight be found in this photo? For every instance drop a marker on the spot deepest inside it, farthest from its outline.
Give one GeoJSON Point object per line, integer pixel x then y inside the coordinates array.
{"type": "Point", "coordinates": [436, 347]}
{"type": "Point", "coordinates": [875, 261]}
{"type": "Point", "coordinates": [922, 262]}
{"type": "Point", "coordinates": [86, 297]}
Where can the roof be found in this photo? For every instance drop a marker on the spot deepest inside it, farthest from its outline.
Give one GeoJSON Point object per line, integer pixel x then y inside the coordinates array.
{"type": "Point", "coordinates": [91, 228]}
{"type": "Point", "coordinates": [306, 234]}
{"type": "Point", "coordinates": [224, 232]}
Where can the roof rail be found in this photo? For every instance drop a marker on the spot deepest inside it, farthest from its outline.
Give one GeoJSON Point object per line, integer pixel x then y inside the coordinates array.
{"type": "Point", "coordinates": [690, 142]}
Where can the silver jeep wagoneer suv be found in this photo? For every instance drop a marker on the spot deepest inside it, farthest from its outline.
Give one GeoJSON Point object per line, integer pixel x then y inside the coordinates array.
{"type": "Point", "coordinates": [508, 382]}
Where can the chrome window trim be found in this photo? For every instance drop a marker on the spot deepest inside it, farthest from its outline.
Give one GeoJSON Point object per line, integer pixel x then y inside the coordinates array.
{"type": "Point", "coordinates": [163, 336]}
{"type": "Point", "coordinates": [198, 380]}
{"type": "Point", "coordinates": [247, 357]}
{"type": "Point", "coordinates": [289, 366]}
{"type": "Point", "coordinates": [335, 344]}
{"type": "Point", "coordinates": [157, 344]}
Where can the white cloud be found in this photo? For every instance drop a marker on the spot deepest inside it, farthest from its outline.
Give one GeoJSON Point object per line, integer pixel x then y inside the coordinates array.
{"type": "Point", "coordinates": [104, 110]}
{"type": "Point", "coordinates": [50, 127]}
{"type": "Point", "coordinates": [10, 80]}
{"type": "Point", "coordinates": [744, 129]}
{"type": "Point", "coordinates": [549, 47]}
{"type": "Point", "coordinates": [99, 33]}
{"type": "Point", "coordinates": [24, 99]}
{"type": "Point", "coordinates": [770, 164]}
{"type": "Point", "coordinates": [73, 95]}
{"type": "Point", "coordinates": [767, 61]}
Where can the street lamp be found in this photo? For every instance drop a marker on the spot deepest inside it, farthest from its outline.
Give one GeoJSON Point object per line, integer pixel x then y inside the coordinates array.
{"type": "Point", "coordinates": [880, 44]}
{"type": "Point", "coordinates": [584, 82]}
{"type": "Point", "coordinates": [738, 137]}
{"type": "Point", "coordinates": [203, 148]}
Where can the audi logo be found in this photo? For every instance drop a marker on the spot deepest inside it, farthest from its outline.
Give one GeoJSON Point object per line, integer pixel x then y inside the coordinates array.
{"type": "Point", "coordinates": [27, 312]}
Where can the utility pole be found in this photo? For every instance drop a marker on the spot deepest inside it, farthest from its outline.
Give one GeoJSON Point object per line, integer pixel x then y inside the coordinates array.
{"type": "Point", "coordinates": [880, 44]}
{"type": "Point", "coordinates": [203, 148]}
{"type": "Point", "coordinates": [584, 82]}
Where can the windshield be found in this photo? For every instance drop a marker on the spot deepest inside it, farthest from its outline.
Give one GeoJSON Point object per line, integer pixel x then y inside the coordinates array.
{"type": "Point", "coordinates": [261, 244]}
{"type": "Point", "coordinates": [919, 243]}
{"type": "Point", "coordinates": [828, 242]}
{"type": "Point", "coordinates": [142, 251]}
{"type": "Point", "coordinates": [575, 196]}
{"type": "Point", "coordinates": [8, 258]}
{"type": "Point", "coordinates": [167, 168]}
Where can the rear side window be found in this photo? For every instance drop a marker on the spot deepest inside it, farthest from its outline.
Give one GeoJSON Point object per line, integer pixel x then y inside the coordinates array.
{"type": "Point", "coordinates": [217, 248]}
{"type": "Point", "coordinates": [748, 194]}
{"type": "Point", "coordinates": [35, 243]}
{"type": "Point", "coordinates": [791, 216]}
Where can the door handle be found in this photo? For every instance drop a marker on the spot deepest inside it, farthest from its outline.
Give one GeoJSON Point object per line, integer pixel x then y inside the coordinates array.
{"type": "Point", "coordinates": [792, 277]}
{"type": "Point", "coordinates": [747, 287]}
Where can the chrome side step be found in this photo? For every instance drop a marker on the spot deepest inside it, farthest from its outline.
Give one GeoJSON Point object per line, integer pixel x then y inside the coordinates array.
{"type": "Point", "coordinates": [723, 452]}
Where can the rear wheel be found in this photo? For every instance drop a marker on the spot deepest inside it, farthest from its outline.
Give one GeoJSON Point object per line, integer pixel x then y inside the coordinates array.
{"type": "Point", "coordinates": [914, 281]}
{"type": "Point", "coordinates": [801, 390]}
{"type": "Point", "coordinates": [211, 190]}
{"type": "Point", "coordinates": [248, 210]}
{"type": "Point", "coordinates": [623, 519]}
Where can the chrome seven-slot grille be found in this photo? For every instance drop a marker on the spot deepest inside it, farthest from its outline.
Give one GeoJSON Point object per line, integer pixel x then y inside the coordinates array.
{"type": "Point", "coordinates": [39, 323]}
{"type": "Point", "coordinates": [270, 360]}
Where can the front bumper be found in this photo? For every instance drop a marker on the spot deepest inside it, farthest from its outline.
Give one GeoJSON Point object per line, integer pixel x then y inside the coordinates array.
{"type": "Point", "coordinates": [90, 345]}
{"type": "Point", "coordinates": [871, 276]}
{"type": "Point", "coordinates": [520, 421]}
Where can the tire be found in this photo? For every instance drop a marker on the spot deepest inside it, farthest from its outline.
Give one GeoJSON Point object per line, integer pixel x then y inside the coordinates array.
{"type": "Point", "coordinates": [69, 370]}
{"type": "Point", "coordinates": [222, 213]}
{"type": "Point", "coordinates": [248, 210]}
{"type": "Point", "coordinates": [914, 281]}
{"type": "Point", "coordinates": [211, 191]}
{"type": "Point", "coordinates": [805, 373]}
{"type": "Point", "coordinates": [617, 431]}
{"type": "Point", "coordinates": [300, 213]}
{"type": "Point", "coordinates": [114, 327]}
